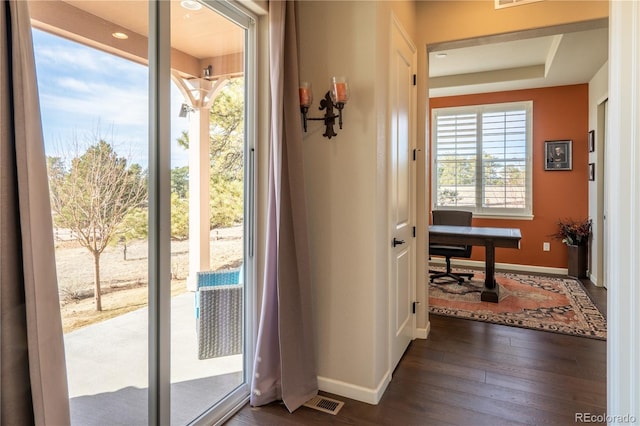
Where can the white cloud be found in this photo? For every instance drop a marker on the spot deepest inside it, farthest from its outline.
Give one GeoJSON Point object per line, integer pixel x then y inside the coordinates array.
{"type": "Point", "coordinates": [64, 55]}
{"type": "Point", "coordinates": [74, 84]}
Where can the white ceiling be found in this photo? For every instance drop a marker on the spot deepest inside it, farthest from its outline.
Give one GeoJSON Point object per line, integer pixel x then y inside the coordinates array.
{"type": "Point", "coordinates": [542, 58]}
{"type": "Point", "coordinates": [201, 33]}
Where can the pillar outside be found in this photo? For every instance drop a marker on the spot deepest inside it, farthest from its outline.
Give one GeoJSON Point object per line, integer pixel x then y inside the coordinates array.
{"type": "Point", "coordinates": [199, 171]}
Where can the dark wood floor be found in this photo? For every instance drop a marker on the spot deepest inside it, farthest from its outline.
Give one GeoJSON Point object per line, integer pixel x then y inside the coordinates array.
{"type": "Point", "coordinates": [474, 373]}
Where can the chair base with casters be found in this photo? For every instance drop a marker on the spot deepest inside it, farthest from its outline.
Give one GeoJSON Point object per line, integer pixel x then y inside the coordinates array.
{"type": "Point", "coordinates": [458, 276]}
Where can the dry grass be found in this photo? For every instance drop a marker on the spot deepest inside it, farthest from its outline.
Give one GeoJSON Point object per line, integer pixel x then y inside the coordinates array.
{"type": "Point", "coordinates": [124, 282]}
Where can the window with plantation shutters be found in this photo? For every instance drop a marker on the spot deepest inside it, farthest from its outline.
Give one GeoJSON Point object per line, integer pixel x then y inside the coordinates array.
{"type": "Point", "coordinates": [481, 159]}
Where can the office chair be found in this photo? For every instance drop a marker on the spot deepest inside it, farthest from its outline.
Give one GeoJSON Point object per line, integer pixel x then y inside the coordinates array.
{"type": "Point", "coordinates": [453, 218]}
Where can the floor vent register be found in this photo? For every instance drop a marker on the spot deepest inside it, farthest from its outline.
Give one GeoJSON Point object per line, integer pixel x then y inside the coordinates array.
{"type": "Point", "coordinates": [324, 404]}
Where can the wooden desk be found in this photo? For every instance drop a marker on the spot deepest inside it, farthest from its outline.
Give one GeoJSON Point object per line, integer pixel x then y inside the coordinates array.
{"type": "Point", "coordinates": [490, 238]}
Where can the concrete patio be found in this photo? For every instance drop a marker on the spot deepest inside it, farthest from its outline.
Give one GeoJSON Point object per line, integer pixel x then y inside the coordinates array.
{"type": "Point", "coordinates": [108, 376]}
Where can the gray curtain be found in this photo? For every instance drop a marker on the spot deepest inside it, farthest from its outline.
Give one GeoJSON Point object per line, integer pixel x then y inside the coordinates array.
{"type": "Point", "coordinates": [33, 388]}
{"type": "Point", "coordinates": [285, 363]}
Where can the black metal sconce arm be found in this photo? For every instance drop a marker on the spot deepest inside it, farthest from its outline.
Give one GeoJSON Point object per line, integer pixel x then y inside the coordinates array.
{"type": "Point", "coordinates": [329, 117]}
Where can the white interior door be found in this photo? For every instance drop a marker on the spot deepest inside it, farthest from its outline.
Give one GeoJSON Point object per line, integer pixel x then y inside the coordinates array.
{"type": "Point", "coordinates": [401, 194]}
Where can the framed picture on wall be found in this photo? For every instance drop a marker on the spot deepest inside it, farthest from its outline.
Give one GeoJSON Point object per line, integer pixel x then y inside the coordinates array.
{"type": "Point", "coordinates": [557, 155]}
{"type": "Point", "coordinates": [592, 140]}
{"type": "Point", "coordinates": [592, 171]}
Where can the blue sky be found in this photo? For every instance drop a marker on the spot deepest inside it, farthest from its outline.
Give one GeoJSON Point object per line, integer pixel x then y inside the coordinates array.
{"type": "Point", "coordinates": [85, 92]}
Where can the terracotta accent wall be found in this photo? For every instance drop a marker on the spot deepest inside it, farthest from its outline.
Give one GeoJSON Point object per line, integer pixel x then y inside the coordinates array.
{"type": "Point", "coordinates": [558, 113]}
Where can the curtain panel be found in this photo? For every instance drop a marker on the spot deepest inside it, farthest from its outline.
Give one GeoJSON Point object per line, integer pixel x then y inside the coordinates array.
{"type": "Point", "coordinates": [285, 363]}
{"type": "Point", "coordinates": [33, 388]}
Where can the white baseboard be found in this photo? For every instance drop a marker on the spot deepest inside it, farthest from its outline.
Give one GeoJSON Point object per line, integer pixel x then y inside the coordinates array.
{"type": "Point", "coordinates": [349, 390]}
{"type": "Point", "coordinates": [502, 266]}
{"type": "Point", "coordinates": [422, 333]}
{"type": "Point", "coordinates": [594, 280]}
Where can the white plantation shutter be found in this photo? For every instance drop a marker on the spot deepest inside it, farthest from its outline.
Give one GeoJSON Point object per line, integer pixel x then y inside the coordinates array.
{"type": "Point", "coordinates": [482, 160]}
{"type": "Point", "coordinates": [455, 154]}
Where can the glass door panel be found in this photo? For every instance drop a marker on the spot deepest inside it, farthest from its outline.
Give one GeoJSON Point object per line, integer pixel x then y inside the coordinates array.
{"type": "Point", "coordinates": [94, 108]}
{"type": "Point", "coordinates": [208, 154]}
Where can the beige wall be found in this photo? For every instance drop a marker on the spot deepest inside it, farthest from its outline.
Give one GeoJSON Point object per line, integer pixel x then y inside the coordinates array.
{"type": "Point", "coordinates": [440, 21]}
{"type": "Point", "coordinates": [345, 179]}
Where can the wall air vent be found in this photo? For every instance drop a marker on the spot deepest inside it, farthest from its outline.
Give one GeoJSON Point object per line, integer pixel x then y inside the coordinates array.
{"type": "Point", "coordinates": [324, 404]}
{"type": "Point", "coordinates": [501, 4]}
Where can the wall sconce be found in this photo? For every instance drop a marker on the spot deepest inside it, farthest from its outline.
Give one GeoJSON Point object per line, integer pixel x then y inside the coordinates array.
{"type": "Point", "coordinates": [336, 97]}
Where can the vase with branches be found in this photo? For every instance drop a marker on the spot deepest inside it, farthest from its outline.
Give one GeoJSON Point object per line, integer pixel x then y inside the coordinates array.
{"type": "Point", "coordinates": [575, 234]}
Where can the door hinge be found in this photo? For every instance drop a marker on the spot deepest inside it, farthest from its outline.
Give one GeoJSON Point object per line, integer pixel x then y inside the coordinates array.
{"type": "Point", "coordinates": [415, 154]}
{"type": "Point", "coordinates": [414, 307]}
{"type": "Point", "coordinates": [413, 232]}
{"type": "Point", "coordinates": [415, 80]}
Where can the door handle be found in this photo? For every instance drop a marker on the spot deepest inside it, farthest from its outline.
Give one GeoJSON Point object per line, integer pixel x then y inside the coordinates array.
{"type": "Point", "coordinates": [397, 242]}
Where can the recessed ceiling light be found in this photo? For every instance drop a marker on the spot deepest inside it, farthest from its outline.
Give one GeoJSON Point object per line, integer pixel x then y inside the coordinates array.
{"type": "Point", "coordinates": [441, 55]}
{"type": "Point", "coordinates": [120, 35]}
{"type": "Point", "coordinates": [191, 4]}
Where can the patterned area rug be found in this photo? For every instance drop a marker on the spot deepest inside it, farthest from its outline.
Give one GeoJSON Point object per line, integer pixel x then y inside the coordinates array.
{"type": "Point", "coordinates": [556, 304]}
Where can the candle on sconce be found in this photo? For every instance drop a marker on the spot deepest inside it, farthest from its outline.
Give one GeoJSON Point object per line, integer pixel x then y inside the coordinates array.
{"type": "Point", "coordinates": [306, 94]}
{"type": "Point", "coordinates": [339, 89]}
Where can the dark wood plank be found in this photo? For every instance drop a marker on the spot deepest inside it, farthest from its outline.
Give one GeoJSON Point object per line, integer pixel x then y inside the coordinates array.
{"type": "Point", "coordinates": [469, 372]}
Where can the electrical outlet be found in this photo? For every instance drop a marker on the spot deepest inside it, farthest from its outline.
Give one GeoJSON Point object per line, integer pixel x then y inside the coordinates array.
{"type": "Point", "coordinates": [546, 246]}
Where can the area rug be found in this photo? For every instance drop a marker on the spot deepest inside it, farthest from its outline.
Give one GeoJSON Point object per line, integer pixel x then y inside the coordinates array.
{"type": "Point", "coordinates": [556, 304]}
